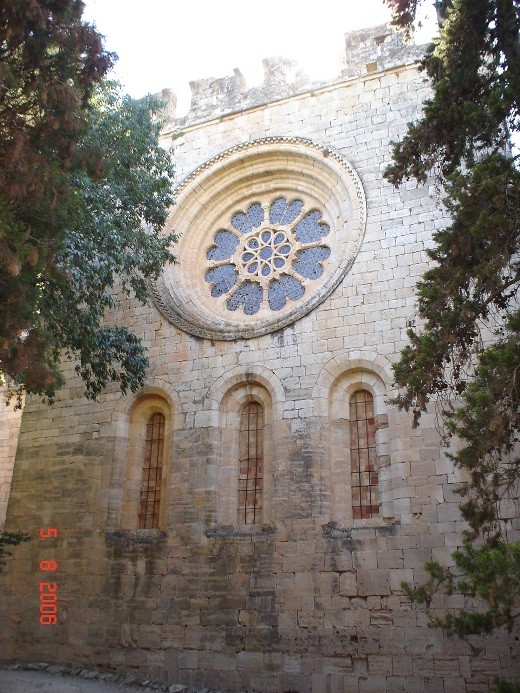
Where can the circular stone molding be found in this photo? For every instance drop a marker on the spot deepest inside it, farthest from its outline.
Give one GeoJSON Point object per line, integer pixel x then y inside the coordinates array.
{"type": "Point", "coordinates": [268, 229]}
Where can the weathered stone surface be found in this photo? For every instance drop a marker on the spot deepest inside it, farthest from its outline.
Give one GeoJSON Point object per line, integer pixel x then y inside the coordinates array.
{"type": "Point", "coordinates": [308, 599]}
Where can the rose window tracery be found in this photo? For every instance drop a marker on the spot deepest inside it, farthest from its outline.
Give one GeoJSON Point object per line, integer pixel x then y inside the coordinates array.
{"type": "Point", "coordinates": [267, 255]}
{"type": "Point", "coordinates": [268, 229]}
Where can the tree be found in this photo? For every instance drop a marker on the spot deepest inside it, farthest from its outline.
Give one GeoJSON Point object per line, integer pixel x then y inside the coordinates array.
{"type": "Point", "coordinates": [49, 64]}
{"type": "Point", "coordinates": [107, 244]}
{"type": "Point", "coordinates": [10, 539]}
{"type": "Point", "coordinates": [80, 171]}
{"type": "Point", "coordinates": [466, 352]}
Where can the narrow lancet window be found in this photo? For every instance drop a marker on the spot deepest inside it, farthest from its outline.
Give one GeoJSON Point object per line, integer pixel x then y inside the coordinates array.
{"type": "Point", "coordinates": [150, 499]}
{"type": "Point", "coordinates": [365, 502]}
{"type": "Point", "coordinates": [251, 464]}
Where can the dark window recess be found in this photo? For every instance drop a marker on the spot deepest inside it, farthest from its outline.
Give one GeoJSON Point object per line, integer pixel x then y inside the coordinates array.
{"type": "Point", "coordinates": [251, 464]}
{"type": "Point", "coordinates": [365, 501]}
{"type": "Point", "coordinates": [150, 499]}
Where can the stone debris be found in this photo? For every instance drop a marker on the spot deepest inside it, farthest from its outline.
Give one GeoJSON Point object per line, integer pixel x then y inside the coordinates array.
{"type": "Point", "coordinates": [105, 677]}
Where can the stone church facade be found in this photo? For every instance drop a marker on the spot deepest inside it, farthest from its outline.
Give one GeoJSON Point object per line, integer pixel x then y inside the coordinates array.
{"type": "Point", "coordinates": [245, 522]}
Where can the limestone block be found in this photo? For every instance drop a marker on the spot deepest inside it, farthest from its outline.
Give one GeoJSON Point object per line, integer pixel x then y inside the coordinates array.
{"type": "Point", "coordinates": [348, 584]}
{"type": "Point", "coordinates": [372, 684]}
{"type": "Point", "coordinates": [373, 582]}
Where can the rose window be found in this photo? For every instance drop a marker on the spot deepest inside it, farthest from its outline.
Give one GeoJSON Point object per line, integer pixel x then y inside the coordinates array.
{"type": "Point", "coordinates": [268, 229]}
{"type": "Point", "coordinates": [267, 255]}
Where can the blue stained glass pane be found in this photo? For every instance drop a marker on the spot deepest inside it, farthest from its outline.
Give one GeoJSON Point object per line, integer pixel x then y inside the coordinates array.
{"type": "Point", "coordinates": [247, 256]}
{"type": "Point", "coordinates": [241, 223]}
{"type": "Point", "coordinates": [277, 210]}
{"type": "Point", "coordinates": [252, 267]}
{"type": "Point", "coordinates": [308, 262]}
{"type": "Point", "coordinates": [282, 289]}
{"type": "Point", "coordinates": [276, 296]}
{"type": "Point", "coordinates": [225, 245]}
{"type": "Point", "coordinates": [265, 253]}
{"type": "Point", "coordinates": [253, 243]}
{"type": "Point", "coordinates": [310, 229]}
{"type": "Point", "coordinates": [266, 236]}
{"type": "Point", "coordinates": [285, 250]}
{"type": "Point", "coordinates": [244, 223]}
{"type": "Point", "coordinates": [279, 238]}
{"type": "Point", "coordinates": [256, 214]}
{"type": "Point", "coordinates": [293, 288]}
{"type": "Point", "coordinates": [266, 270]}
{"type": "Point", "coordinates": [249, 295]}
{"type": "Point", "coordinates": [278, 262]}
{"type": "Point", "coordinates": [223, 278]}
{"type": "Point", "coordinates": [292, 212]}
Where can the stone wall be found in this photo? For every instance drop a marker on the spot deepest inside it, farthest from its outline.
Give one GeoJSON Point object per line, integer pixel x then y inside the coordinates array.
{"type": "Point", "coordinates": [10, 419]}
{"type": "Point", "coordinates": [309, 599]}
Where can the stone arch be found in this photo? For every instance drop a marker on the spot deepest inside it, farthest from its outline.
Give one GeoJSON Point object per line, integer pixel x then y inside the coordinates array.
{"type": "Point", "coordinates": [235, 399]}
{"type": "Point", "coordinates": [245, 374]}
{"type": "Point", "coordinates": [338, 380]}
{"type": "Point", "coordinates": [223, 403]}
{"type": "Point", "coordinates": [128, 421]}
{"type": "Point", "coordinates": [362, 361]}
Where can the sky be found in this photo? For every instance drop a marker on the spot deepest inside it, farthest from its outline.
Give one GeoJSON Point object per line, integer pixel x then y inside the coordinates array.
{"type": "Point", "coordinates": [165, 44]}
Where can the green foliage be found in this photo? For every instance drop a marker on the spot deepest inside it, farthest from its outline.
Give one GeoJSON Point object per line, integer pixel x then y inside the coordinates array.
{"type": "Point", "coordinates": [502, 686]}
{"type": "Point", "coordinates": [490, 573]}
{"type": "Point", "coordinates": [474, 67]}
{"type": "Point", "coordinates": [474, 279]}
{"type": "Point", "coordinates": [466, 352]}
{"type": "Point", "coordinates": [50, 62]}
{"type": "Point", "coordinates": [10, 539]}
{"type": "Point", "coordinates": [487, 425]}
{"type": "Point", "coordinates": [108, 243]}
{"type": "Point", "coordinates": [84, 192]}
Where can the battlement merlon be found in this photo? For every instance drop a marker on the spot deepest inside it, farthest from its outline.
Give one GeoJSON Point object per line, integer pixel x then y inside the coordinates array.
{"type": "Point", "coordinates": [370, 50]}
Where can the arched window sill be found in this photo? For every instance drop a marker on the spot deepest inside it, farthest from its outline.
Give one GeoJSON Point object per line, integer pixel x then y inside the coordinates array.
{"type": "Point", "coordinates": [239, 531]}
{"type": "Point", "coordinates": [145, 537]}
{"type": "Point", "coordinates": [346, 530]}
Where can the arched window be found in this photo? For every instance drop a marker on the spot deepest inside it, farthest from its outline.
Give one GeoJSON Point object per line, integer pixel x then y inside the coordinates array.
{"type": "Point", "coordinates": [251, 464]}
{"type": "Point", "coordinates": [245, 493]}
{"type": "Point", "coordinates": [150, 496]}
{"type": "Point", "coordinates": [365, 501]}
{"type": "Point", "coordinates": [138, 498]}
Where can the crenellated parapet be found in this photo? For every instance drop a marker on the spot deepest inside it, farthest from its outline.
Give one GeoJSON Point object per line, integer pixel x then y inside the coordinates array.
{"type": "Point", "coordinates": [377, 49]}
{"type": "Point", "coordinates": [367, 51]}
{"type": "Point", "coordinates": [216, 95]}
